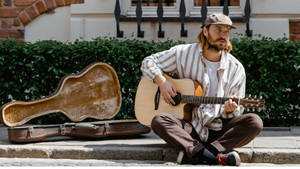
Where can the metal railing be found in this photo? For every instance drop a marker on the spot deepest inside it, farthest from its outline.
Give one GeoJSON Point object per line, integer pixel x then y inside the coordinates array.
{"type": "Point", "coordinates": [182, 17]}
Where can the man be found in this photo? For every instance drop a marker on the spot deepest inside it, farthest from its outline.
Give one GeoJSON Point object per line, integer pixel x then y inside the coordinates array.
{"type": "Point", "coordinates": [215, 130]}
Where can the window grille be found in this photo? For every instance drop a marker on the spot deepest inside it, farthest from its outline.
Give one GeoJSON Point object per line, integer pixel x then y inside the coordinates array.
{"type": "Point", "coordinates": [153, 2]}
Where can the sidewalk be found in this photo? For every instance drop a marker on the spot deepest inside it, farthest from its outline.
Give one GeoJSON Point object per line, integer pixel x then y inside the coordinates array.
{"type": "Point", "coordinates": [273, 145]}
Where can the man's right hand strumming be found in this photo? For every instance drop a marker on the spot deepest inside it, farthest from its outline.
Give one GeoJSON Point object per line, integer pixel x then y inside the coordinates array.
{"type": "Point", "coordinates": [167, 89]}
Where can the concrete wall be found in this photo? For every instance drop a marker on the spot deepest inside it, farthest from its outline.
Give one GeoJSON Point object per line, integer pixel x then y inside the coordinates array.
{"type": "Point", "coordinates": [96, 18]}
{"type": "Point", "coordinates": [54, 25]}
{"type": "Point", "coordinates": [271, 17]}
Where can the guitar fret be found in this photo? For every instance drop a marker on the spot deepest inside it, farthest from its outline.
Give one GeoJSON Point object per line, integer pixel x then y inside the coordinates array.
{"type": "Point", "coordinates": [192, 99]}
{"type": "Point", "coordinates": [221, 100]}
{"type": "Point", "coordinates": [216, 100]}
{"type": "Point", "coordinates": [224, 100]}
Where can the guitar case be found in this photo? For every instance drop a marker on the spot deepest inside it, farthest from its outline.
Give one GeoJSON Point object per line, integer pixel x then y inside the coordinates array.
{"type": "Point", "coordinates": [91, 130]}
{"type": "Point", "coordinates": [93, 93]}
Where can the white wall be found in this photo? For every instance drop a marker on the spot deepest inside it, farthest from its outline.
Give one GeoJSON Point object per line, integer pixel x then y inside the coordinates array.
{"type": "Point", "coordinates": [54, 25]}
{"type": "Point", "coordinates": [96, 18]}
{"type": "Point", "coordinates": [270, 27]}
{"type": "Point", "coordinates": [271, 17]}
{"type": "Point", "coordinates": [279, 7]}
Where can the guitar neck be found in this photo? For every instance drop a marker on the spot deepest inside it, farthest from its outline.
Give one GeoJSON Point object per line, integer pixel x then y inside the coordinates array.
{"type": "Point", "coordinates": [204, 99]}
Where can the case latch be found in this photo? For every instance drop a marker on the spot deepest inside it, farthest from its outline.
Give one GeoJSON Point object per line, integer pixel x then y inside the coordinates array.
{"type": "Point", "coordinates": [30, 131]}
{"type": "Point", "coordinates": [106, 127]}
{"type": "Point", "coordinates": [62, 129]}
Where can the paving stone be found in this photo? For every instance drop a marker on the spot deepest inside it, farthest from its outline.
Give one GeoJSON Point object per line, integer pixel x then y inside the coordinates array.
{"type": "Point", "coordinates": [270, 142]}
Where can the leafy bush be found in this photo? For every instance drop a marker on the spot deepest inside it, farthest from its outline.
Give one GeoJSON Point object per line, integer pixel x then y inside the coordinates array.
{"type": "Point", "coordinates": [29, 71]}
{"type": "Point", "coordinates": [272, 68]}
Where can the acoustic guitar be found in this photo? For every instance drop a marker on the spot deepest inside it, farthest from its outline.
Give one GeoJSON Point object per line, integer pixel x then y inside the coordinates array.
{"type": "Point", "coordinates": [149, 102]}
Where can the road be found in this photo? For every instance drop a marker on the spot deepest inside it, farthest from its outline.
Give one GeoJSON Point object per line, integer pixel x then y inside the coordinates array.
{"type": "Point", "coordinates": [37, 162]}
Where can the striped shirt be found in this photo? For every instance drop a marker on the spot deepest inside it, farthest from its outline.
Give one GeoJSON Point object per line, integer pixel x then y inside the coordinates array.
{"type": "Point", "coordinates": [187, 61]}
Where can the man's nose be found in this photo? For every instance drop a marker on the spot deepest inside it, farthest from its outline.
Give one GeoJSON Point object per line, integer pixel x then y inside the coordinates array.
{"type": "Point", "coordinates": [224, 34]}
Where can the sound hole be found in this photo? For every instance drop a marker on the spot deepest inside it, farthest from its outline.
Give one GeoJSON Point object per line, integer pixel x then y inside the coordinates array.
{"type": "Point", "coordinates": [177, 99]}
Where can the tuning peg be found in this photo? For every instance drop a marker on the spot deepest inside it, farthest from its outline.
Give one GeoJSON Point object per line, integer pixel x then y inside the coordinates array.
{"type": "Point", "coordinates": [249, 95]}
{"type": "Point", "coordinates": [248, 109]}
{"type": "Point", "coordinates": [255, 96]}
{"type": "Point", "coordinates": [260, 97]}
{"type": "Point", "coordinates": [259, 110]}
{"type": "Point", "coordinates": [253, 109]}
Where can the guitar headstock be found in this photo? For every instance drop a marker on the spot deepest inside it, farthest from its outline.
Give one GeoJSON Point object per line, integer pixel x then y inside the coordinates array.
{"type": "Point", "coordinates": [254, 103]}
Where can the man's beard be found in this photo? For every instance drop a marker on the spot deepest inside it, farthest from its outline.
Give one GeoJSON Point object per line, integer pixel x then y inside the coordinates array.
{"type": "Point", "coordinates": [215, 46]}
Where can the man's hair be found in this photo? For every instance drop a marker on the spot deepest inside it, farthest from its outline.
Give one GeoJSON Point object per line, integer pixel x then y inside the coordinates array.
{"type": "Point", "coordinates": [203, 40]}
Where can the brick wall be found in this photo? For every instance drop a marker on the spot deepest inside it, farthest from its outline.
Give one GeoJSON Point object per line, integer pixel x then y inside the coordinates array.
{"type": "Point", "coordinates": [295, 31]}
{"type": "Point", "coordinates": [15, 14]}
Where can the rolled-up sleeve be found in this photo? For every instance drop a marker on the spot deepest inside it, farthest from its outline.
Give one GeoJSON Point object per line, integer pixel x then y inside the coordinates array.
{"type": "Point", "coordinates": [160, 62]}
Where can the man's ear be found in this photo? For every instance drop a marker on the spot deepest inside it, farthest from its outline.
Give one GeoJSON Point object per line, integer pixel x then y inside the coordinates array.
{"type": "Point", "coordinates": [205, 32]}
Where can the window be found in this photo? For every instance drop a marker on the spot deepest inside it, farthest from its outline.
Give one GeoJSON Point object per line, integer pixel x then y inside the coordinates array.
{"type": "Point", "coordinates": [154, 2]}
{"type": "Point", "coordinates": [172, 7]}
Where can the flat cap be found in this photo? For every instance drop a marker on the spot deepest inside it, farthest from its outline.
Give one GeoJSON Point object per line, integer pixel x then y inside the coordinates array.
{"type": "Point", "coordinates": [218, 18]}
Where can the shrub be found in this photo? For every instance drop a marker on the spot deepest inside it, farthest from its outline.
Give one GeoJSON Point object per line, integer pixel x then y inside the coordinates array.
{"type": "Point", "coordinates": [272, 69]}
{"type": "Point", "coordinates": [29, 71]}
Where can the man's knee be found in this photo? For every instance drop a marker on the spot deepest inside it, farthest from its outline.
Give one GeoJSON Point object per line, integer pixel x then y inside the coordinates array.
{"type": "Point", "coordinates": [158, 121]}
{"type": "Point", "coordinates": [254, 122]}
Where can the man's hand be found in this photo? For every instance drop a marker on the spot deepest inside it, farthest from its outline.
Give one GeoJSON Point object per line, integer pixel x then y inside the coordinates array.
{"type": "Point", "coordinates": [167, 89]}
{"type": "Point", "coordinates": [230, 105]}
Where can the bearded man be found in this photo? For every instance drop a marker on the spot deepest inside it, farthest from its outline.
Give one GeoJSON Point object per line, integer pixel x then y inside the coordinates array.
{"type": "Point", "coordinates": [214, 130]}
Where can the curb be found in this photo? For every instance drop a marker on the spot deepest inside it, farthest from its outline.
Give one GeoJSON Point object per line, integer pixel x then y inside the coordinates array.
{"type": "Point", "coordinates": [141, 153]}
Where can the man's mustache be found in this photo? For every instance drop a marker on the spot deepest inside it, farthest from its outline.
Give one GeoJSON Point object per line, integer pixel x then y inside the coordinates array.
{"type": "Point", "coordinates": [222, 39]}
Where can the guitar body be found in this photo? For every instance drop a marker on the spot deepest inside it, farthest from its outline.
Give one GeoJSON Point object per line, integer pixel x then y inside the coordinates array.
{"type": "Point", "coordinates": [145, 99]}
{"type": "Point", "coordinates": [93, 93]}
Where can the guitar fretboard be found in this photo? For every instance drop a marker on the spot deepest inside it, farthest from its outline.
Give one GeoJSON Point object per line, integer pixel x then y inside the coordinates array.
{"type": "Point", "coordinates": [204, 99]}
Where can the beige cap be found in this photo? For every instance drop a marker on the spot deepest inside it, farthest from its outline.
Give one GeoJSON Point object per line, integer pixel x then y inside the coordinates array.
{"type": "Point", "coordinates": [218, 18]}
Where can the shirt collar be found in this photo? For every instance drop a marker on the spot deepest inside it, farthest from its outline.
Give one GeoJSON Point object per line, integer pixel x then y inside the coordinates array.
{"type": "Point", "coordinates": [223, 61]}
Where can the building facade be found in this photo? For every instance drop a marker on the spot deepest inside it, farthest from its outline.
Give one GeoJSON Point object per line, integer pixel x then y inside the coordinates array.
{"type": "Point", "coordinates": [69, 20]}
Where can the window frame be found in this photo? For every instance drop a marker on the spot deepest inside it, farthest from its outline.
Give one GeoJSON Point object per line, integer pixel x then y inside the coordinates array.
{"type": "Point", "coordinates": [149, 11]}
{"type": "Point", "coordinates": [173, 11]}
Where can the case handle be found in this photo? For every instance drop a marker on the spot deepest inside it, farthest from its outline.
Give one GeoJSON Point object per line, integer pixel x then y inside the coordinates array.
{"type": "Point", "coordinates": [85, 126]}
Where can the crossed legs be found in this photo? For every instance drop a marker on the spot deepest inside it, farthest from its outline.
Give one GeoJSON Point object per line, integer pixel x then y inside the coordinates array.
{"type": "Point", "coordinates": [180, 134]}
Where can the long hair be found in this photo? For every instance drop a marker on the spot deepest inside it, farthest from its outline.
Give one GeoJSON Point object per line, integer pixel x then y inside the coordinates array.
{"type": "Point", "coordinates": [202, 40]}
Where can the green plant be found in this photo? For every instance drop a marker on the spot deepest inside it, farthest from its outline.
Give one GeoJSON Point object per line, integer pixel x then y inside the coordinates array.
{"type": "Point", "coordinates": [29, 71]}
{"type": "Point", "coordinates": [272, 69]}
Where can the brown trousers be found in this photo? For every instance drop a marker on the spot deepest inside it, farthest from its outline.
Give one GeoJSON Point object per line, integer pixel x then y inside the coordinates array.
{"type": "Point", "coordinates": [180, 134]}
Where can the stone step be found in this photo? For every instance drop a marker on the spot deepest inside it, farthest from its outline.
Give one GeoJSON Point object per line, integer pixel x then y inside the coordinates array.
{"type": "Point", "coordinates": [141, 153]}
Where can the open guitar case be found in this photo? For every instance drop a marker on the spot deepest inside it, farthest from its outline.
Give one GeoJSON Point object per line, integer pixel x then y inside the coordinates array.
{"type": "Point", "coordinates": [93, 93]}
